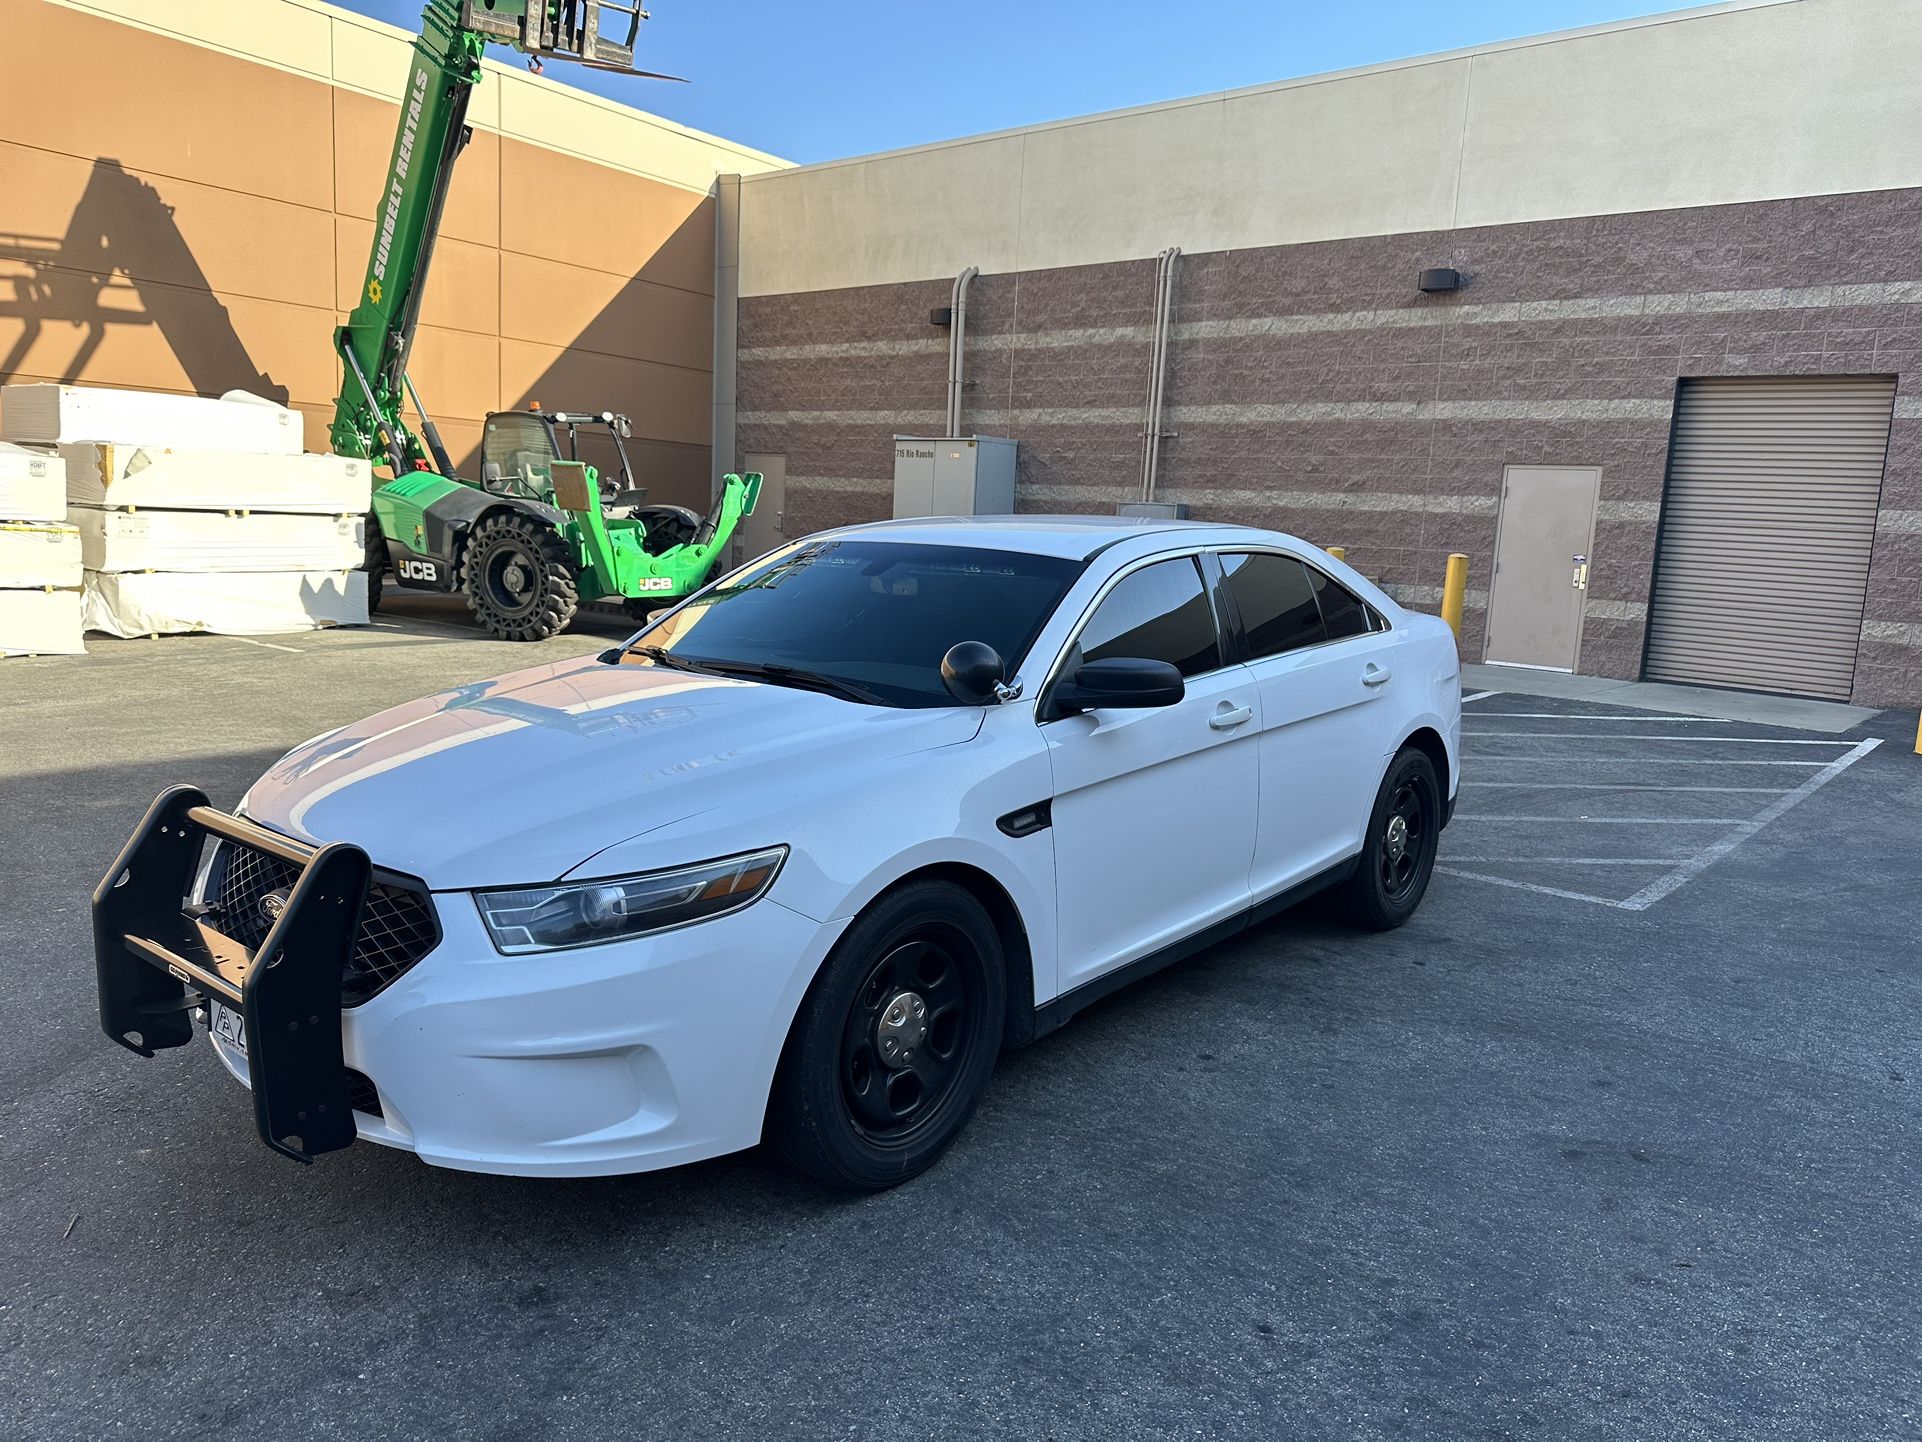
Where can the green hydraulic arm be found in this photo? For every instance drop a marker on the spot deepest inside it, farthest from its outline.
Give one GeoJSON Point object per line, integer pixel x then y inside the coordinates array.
{"type": "Point", "coordinates": [369, 416]}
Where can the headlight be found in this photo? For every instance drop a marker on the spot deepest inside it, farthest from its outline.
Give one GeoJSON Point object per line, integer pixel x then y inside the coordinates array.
{"type": "Point", "coordinates": [584, 913]}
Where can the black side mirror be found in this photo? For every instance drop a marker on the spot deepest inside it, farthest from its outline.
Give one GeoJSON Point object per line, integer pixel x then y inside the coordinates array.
{"type": "Point", "coordinates": [973, 672]}
{"type": "Point", "coordinates": [1122, 681]}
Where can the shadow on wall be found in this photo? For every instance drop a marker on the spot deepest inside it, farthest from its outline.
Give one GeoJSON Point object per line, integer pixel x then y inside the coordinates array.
{"type": "Point", "coordinates": [80, 279]}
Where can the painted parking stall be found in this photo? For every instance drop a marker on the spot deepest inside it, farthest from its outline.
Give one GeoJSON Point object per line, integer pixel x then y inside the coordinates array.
{"type": "Point", "coordinates": [1621, 808]}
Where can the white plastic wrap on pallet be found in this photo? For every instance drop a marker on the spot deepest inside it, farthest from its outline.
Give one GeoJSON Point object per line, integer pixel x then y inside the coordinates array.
{"type": "Point", "coordinates": [39, 553]}
{"type": "Point", "coordinates": [122, 476]}
{"type": "Point", "coordinates": [33, 485]}
{"type": "Point", "coordinates": [218, 541]}
{"type": "Point", "coordinates": [150, 603]}
{"type": "Point", "coordinates": [235, 422]}
{"type": "Point", "coordinates": [40, 623]}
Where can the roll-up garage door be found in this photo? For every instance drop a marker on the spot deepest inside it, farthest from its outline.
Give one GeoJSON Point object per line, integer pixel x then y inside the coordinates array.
{"type": "Point", "coordinates": [1773, 485]}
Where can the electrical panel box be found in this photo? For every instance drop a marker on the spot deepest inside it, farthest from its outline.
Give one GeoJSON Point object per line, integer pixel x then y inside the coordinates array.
{"type": "Point", "coordinates": [954, 475]}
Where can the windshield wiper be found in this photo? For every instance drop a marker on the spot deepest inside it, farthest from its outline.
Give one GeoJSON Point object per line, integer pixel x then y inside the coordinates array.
{"type": "Point", "coordinates": [796, 677]}
{"type": "Point", "coordinates": [661, 656]}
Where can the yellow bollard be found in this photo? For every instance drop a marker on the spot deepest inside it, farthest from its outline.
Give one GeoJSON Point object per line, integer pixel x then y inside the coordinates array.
{"type": "Point", "coordinates": [1454, 590]}
{"type": "Point", "coordinates": [1918, 736]}
{"type": "Point", "coordinates": [1340, 553]}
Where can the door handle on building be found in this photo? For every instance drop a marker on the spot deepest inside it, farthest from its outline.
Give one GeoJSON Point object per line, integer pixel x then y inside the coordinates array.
{"type": "Point", "coordinates": [1580, 579]}
{"type": "Point", "coordinates": [1373, 675]}
{"type": "Point", "coordinates": [1227, 717]}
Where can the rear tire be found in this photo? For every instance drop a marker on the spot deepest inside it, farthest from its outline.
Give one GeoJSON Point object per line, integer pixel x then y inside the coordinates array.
{"type": "Point", "coordinates": [1398, 851]}
{"type": "Point", "coordinates": [374, 563]}
{"type": "Point", "coordinates": [520, 578]}
{"type": "Point", "coordinates": [894, 1043]}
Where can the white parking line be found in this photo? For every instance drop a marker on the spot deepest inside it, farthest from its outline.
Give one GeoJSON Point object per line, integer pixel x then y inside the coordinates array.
{"type": "Point", "coordinates": [1525, 885]}
{"type": "Point", "coordinates": [1479, 696]}
{"type": "Point", "coordinates": [1576, 716]}
{"type": "Point", "coordinates": [1707, 857]}
{"type": "Point", "coordinates": [1698, 740]}
{"type": "Point", "coordinates": [1580, 860]}
{"type": "Point", "coordinates": [1563, 762]}
{"type": "Point", "coordinates": [1617, 786]}
{"type": "Point", "coordinates": [267, 645]}
{"type": "Point", "coordinates": [1609, 820]}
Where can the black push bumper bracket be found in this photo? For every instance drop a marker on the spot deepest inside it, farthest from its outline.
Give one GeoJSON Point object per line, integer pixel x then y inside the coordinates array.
{"type": "Point", "coordinates": [154, 957]}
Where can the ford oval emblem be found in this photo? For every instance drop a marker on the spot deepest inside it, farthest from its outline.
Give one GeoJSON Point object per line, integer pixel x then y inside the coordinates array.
{"type": "Point", "coordinates": [273, 904]}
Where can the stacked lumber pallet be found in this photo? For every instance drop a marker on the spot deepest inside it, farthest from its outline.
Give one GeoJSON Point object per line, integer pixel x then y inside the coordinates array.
{"type": "Point", "coordinates": [200, 515]}
{"type": "Point", "coordinates": [39, 558]}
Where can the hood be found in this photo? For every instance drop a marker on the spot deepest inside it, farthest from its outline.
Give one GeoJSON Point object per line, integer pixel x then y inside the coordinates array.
{"type": "Point", "coordinates": [521, 778]}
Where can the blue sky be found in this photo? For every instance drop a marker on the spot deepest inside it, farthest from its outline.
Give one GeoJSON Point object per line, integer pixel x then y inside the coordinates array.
{"type": "Point", "coordinates": [813, 82]}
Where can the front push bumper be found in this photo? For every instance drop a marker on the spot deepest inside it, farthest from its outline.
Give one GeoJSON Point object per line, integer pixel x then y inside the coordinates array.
{"type": "Point", "coordinates": [158, 958]}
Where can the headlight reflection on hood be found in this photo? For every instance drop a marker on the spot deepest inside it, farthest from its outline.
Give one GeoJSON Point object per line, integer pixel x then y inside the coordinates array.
{"type": "Point", "coordinates": [586, 913]}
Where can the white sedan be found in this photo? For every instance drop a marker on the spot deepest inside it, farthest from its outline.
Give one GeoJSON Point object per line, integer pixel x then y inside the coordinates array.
{"type": "Point", "coordinates": [800, 859]}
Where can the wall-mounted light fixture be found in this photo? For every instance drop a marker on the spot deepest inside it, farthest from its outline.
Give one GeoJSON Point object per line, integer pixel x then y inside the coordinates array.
{"type": "Point", "coordinates": [1439, 281]}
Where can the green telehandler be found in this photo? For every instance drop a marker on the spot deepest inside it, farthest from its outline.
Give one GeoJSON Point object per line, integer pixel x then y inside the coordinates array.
{"type": "Point", "coordinates": [539, 531]}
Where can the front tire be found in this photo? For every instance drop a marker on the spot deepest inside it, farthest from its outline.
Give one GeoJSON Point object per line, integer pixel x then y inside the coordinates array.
{"type": "Point", "coordinates": [894, 1044]}
{"type": "Point", "coordinates": [374, 563]}
{"type": "Point", "coordinates": [520, 579]}
{"type": "Point", "coordinates": [1398, 852]}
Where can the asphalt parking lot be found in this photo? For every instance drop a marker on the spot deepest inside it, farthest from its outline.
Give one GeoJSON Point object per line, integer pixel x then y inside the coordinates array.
{"type": "Point", "coordinates": [1617, 1138]}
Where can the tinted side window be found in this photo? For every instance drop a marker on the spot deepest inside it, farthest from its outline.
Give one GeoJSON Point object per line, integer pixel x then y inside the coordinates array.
{"type": "Point", "coordinates": [1160, 613]}
{"type": "Point", "coordinates": [1342, 612]}
{"type": "Point", "coordinates": [1276, 602]}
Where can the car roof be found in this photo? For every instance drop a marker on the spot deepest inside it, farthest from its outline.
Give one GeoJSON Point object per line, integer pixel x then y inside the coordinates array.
{"type": "Point", "coordinates": [1074, 537]}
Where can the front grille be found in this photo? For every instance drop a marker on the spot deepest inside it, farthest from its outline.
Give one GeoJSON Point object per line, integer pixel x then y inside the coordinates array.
{"type": "Point", "coordinates": [361, 1094]}
{"type": "Point", "coordinates": [397, 925]}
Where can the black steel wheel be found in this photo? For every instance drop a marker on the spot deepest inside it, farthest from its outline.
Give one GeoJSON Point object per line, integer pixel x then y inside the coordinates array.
{"type": "Point", "coordinates": [895, 1042]}
{"type": "Point", "coordinates": [1398, 852]}
{"type": "Point", "coordinates": [521, 580]}
{"type": "Point", "coordinates": [374, 562]}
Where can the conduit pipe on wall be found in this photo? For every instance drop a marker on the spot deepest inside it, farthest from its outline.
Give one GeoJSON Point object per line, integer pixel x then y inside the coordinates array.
{"type": "Point", "coordinates": [957, 344]}
{"type": "Point", "coordinates": [1157, 370]}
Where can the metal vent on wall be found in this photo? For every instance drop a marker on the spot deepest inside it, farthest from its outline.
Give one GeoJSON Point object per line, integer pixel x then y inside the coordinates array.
{"type": "Point", "coordinates": [1767, 523]}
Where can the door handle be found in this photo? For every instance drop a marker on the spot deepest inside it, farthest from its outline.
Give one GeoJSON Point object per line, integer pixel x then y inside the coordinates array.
{"type": "Point", "coordinates": [1373, 675]}
{"type": "Point", "coordinates": [1227, 717]}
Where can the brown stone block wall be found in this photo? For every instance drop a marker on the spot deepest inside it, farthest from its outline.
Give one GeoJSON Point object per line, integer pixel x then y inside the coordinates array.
{"type": "Point", "coordinates": [1314, 389]}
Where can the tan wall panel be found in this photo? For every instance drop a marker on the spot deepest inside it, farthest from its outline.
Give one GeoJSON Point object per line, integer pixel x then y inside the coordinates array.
{"type": "Point", "coordinates": [666, 403]}
{"type": "Point", "coordinates": [174, 338]}
{"type": "Point", "coordinates": [570, 210]}
{"type": "Point", "coordinates": [564, 305]}
{"type": "Point", "coordinates": [457, 372]}
{"type": "Point", "coordinates": [168, 109]}
{"type": "Point", "coordinates": [88, 216]}
{"type": "Point", "coordinates": [289, 35]}
{"type": "Point", "coordinates": [463, 288]}
{"type": "Point", "coordinates": [364, 143]}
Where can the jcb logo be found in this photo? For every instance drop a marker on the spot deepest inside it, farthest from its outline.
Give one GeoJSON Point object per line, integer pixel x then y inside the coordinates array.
{"type": "Point", "coordinates": [420, 571]}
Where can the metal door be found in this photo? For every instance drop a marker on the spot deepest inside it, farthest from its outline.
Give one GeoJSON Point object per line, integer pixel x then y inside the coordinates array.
{"type": "Point", "coordinates": [767, 527]}
{"type": "Point", "coordinates": [1773, 487]}
{"type": "Point", "coordinates": [1542, 541]}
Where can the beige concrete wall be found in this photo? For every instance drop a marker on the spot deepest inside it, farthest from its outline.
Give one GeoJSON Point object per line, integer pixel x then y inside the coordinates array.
{"type": "Point", "coordinates": [191, 209]}
{"type": "Point", "coordinates": [1754, 100]}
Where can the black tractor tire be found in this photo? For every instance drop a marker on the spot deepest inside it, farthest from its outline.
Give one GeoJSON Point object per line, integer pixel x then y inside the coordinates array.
{"type": "Point", "coordinates": [639, 608]}
{"type": "Point", "coordinates": [894, 1043]}
{"type": "Point", "coordinates": [374, 563]}
{"type": "Point", "coordinates": [667, 527]}
{"type": "Point", "coordinates": [1398, 850]}
{"type": "Point", "coordinates": [521, 581]}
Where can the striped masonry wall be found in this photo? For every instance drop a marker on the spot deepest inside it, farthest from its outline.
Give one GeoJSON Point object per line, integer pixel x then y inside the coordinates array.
{"type": "Point", "coordinates": [1311, 387]}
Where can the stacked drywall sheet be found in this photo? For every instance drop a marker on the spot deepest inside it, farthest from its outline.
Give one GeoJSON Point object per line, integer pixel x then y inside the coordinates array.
{"type": "Point", "coordinates": [201, 515]}
{"type": "Point", "coordinates": [40, 569]}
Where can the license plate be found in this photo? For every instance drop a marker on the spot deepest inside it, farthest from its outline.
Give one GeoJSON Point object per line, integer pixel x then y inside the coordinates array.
{"type": "Point", "coordinates": [230, 1027]}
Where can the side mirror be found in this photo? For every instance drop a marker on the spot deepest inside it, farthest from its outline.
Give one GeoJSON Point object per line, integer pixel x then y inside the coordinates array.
{"type": "Point", "coordinates": [973, 672]}
{"type": "Point", "coordinates": [1120, 681]}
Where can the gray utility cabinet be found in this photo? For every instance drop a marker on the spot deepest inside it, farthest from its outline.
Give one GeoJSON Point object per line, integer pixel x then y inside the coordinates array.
{"type": "Point", "coordinates": [953, 476]}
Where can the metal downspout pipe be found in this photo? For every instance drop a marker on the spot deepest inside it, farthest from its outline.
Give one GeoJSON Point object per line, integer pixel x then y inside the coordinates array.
{"type": "Point", "coordinates": [957, 346]}
{"type": "Point", "coordinates": [1157, 370]}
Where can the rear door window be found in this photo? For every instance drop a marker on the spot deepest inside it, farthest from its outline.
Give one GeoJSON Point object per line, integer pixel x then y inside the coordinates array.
{"type": "Point", "coordinates": [1276, 600]}
{"type": "Point", "coordinates": [1342, 611]}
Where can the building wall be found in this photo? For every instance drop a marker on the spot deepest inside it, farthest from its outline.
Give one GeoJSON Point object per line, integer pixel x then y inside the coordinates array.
{"type": "Point", "coordinates": [1629, 206]}
{"type": "Point", "coordinates": [189, 207]}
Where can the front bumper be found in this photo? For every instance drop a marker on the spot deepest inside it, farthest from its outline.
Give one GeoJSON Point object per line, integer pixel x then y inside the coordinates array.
{"type": "Point", "coordinates": [623, 1057]}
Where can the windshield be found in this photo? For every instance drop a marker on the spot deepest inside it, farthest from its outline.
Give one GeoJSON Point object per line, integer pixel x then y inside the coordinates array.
{"type": "Point", "coordinates": [874, 615]}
